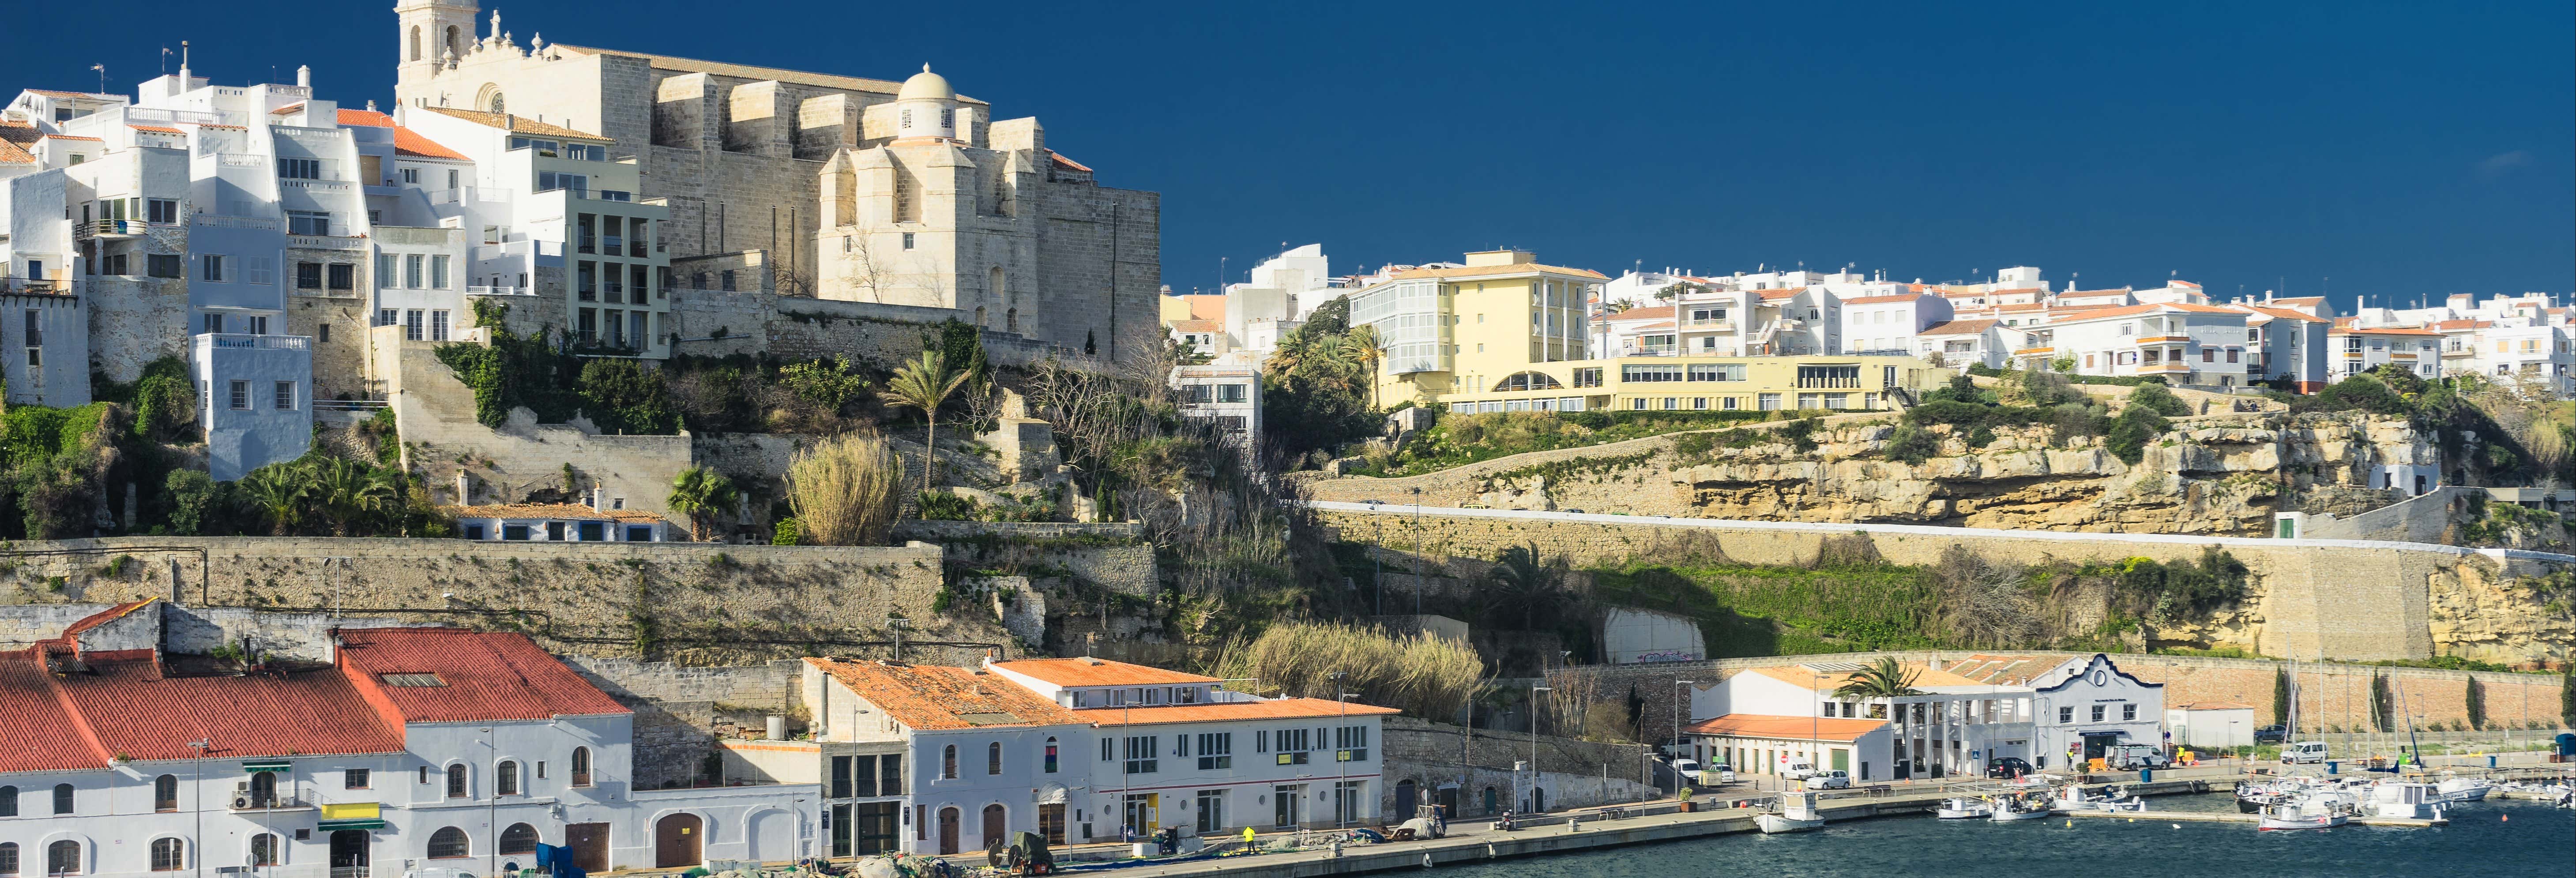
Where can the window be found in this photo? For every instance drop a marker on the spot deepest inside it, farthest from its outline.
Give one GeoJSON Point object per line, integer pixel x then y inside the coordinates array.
{"type": "Point", "coordinates": [214, 268]}
{"type": "Point", "coordinates": [1350, 744]}
{"type": "Point", "coordinates": [286, 396]}
{"type": "Point", "coordinates": [411, 325]}
{"type": "Point", "coordinates": [8, 858]}
{"type": "Point", "coordinates": [263, 849]}
{"type": "Point", "coordinates": [1108, 750]}
{"type": "Point", "coordinates": [581, 766]}
{"type": "Point", "coordinates": [161, 210]}
{"type": "Point", "coordinates": [62, 798]}
{"type": "Point", "coordinates": [300, 169]}
{"type": "Point", "coordinates": [412, 265]}
{"type": "Point", "coordinates": [2097, 713]}
{"type": "Point", "coordinates": [353, 779]}
{"type": "Point", "coordinates": [438, 326]}
{"type": "Point", "coordinates": [2128, 712]}
{"type": "Point", "coordinates": [1216, 751]}
{"type": "Point", "coordinates": [63, 858]}
{"type": "Point", "coordinates": [308, 275]}
{"type": "Point", "coordinates": [165, 793]}
{"type": "Point", "coordinates": [948, 763]}
{"type": "Point", "coordinates": [241, 396]}
{"type": "Point", "coordinates": [161, 265]}
{"type": "Point", "coordinates": [1140, 755]}
{"type": "Point", "coordinates": [505, 780]}
{"type": "Point", "coordinates": [456, 777]}
{"type": "Point", "coordinates": [2209, 355]}
{"type": "Point", "coordinates": [907, 240]}
{"type": "Point", "coordinates": [520, 838]}
{"type": "Point", "coordinates": [1050, 756]}
{"type": "Point", "coordinates": [308, 222]}
{"type": "Point", "coordinates": [1717, 372]}
{"type": "Point", "coordinates": [514, 532]}
{"type": "Point", "coordinates": [2232, 354]}
{"type": "Point", "coordinates": [438, 272]}
{"type": "Point", "coordinates": [169, 855]}
{"type": "Point", "coordinates": [448, 843]}
{"type": "Point", "coordinates": [2066, 715]}
{"type": "Point", "coordinates": [993, 758]}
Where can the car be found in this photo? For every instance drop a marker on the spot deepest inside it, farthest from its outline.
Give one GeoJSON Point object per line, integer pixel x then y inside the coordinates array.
{"type": "Point", "coordinates": [2008, 767]}
{"type": "Point", "coordinates": [1829, 780]}
{"type": "Point", "coordinates": [2131, 757]}
{"type": "Point", "coordinates": [2303, 751]}
{"type": "Point", "coordinates": [1720, 773]}
{"type": "Point", "coordinates": [2271, 734]}
{"type": "Point", "coordinates": [1573, 512]}
{"type": "Point", "coordinates": [1799, 769]}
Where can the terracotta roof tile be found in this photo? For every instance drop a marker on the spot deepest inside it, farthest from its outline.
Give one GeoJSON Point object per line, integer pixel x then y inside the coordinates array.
{"type": "Point", "coordinates": [1755, 725]}
{"type": "Point", "coordinates": [1275, 708]}
{"type": "Point", "coordinates": [1098, 672]}
{"type": "Point", "coordinates": [70, 137]}
{"type": "Point", "coordinates": [2463, 324]}
{"type": "Point", "coordinates": [1958, 327]}
{"type": "Point", "coordinates": [932, 697]}
{"type": "Point", "coordinates": [485, 676]}
{"type": "Point", "coordinates": [1781, 293]}
{"type": "Point", "coordinates": [2381, 330]}
{"type": "Point", "coordinates": [156, 129]}
{"type": "Point", "coordinates": [2280, 313]}
{"type": "Point", "coordinates": [2132, 310]}
{"type": "Point", "coordinates": [130, 707]}
{"type": "Point", "coordinates": [1829, 681]}
{"type": "Point", "coordinates": [74, 94]}
{"type": "Point", "coordinates": [1061, 160]}
{"type": "Point", "coordinates": [37, 732]}
{"type": "Point", "coordinates": [1198, 325]}
{"type": "Point", "coordinates": [514, 124]}
{"type": "Point", "coordinates": [2302, 300]}
{"type": "Point", "coordinates": [1659, 312]}
{"type": "Point", "coordinates": [1494, 270]}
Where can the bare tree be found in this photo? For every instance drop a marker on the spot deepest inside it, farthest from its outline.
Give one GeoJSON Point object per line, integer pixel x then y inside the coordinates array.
{"type": "Point", "coordinates": [861, 270]}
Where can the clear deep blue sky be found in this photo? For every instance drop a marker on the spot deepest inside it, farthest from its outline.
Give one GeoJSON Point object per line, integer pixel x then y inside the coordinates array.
{"type": "Point", "coordinates": [2400, 149]}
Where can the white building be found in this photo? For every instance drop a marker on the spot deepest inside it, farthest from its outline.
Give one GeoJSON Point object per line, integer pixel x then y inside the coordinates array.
{"type": "Point", "coordinates": [2184, 344]}
{"type": "Point", "coordinates": [134, 749]}
{"type": "Point", "coordinates": [1887, 324]}
{"type": "Point", "coordinates": [1227, 392]}
{"type": "Point", "coordinates": [1959, 344]}
{"type": "Point", "coordinates": [1076, 749]}
{"type": "Point", "coordinates": [2210, 725]}
{"type": "Point", "coordinates": [1953, 726]}
{"type": "Point", "coordinates": [561, 522]}
{"type": "Point", "coordinates": [2083, 703]}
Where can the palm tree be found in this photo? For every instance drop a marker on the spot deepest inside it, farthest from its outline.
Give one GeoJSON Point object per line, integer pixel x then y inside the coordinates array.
{"type": "Point", "coordinates": [924, 384]}
{"type": "Point", "coordinates": [280, 491]}
{"type": "Point", "coordinates": [349, 490]}
{"type": "Point", "coordinates": [701, 494]}
{"type": "Point", "coordinates": [1884, 678]}
{"type": "Point", "coordinates": [1359, 349]}
{"type": "Point", "coordinates": [1521, 582]}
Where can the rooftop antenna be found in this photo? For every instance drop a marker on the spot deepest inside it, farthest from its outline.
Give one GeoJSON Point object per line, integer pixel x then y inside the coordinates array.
{"type": "Point", "coordinates": [165, 60]}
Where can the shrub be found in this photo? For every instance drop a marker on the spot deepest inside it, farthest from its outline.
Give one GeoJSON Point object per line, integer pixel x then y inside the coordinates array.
{"type": "Point", "coordinates": [944, 506]}
{"type": "Point", "coordinates": [2137, 425]}
{"type": "Point", "coordinates": [1914, 445]}
{"type": "Point", "coordinates": [2156, 397]}
{"type": "Point", "coordinates": [843, 491]}
{"type": "Point", "coordinates": [784, 533]}
{"type": "Point", "coordinates": [1425, 676]}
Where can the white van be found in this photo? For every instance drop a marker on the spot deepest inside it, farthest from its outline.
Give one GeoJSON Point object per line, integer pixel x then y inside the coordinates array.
{"type": "Point", "coordinates": [1798, 769]}
{"type": "Point", "coordinates": [2303, 751]}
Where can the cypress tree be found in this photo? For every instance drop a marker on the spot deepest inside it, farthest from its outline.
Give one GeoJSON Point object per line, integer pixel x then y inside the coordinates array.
{"type": "Point", "coordinates": [2567, 696]}
{"type": "Point", "coordinates": [2281, 695]}
{"type": "Point", "coordinates": [2383, 706]}
{"type": "Point", "coordinates": [2477, 703]}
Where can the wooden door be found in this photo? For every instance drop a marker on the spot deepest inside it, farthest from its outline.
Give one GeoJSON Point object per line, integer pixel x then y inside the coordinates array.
{"type": "Point", "coordinates": [1404, 800]}
{"type": "Point", "coordinates": [678, 841]}
{"type": "Point", "coordinates": [947, 830]}
{"type": "Point", "coordinates": [994, 820]}
{"type": "Point", "coordinates": [589, 844]}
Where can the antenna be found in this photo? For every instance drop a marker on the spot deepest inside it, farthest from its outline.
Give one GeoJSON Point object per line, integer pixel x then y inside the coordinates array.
{"type": "Point", "coordinates": [165, 60]}
{"type": "Point", "coordinates": [102, 77]}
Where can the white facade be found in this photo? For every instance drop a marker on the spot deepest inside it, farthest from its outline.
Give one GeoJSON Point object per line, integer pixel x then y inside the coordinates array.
{"type": "Point", "coordinates": [1227, 391]}
{"type": "Point", "coordinates": [1888, 324]}
{"type": "Point", "coordinates": [2210, 725]}
{"type": "Point", "coordinates": [2087, 704]}
{"type": "Point", "coordinates": [1954, 726]}
{"type": "Point", "coordinates": [2184, 344]}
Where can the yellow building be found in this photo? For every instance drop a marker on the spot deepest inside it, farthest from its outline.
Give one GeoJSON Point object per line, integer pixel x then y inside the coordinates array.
{"type": "Point", "coordinates": [1505, 333]}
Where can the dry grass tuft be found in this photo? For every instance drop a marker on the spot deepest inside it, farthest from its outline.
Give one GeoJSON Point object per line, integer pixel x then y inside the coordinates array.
{"type": "Point", "coordinates": [844, 490]}
{"type": "Point", "coordinates": [1428, 677]}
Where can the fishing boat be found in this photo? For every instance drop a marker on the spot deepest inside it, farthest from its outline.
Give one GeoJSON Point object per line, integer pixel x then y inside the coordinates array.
{"type": "Point", "coordinates": [2464, 789]}
{"type": "Point", "coordinates": [2252, 798]}
{"type": "Point", "coordinates": [2409, 800]}
{"type": "Point", "coordinates": [1963, 808]}
{"type": "Point", "coordinates": [2300, 817]}
{"type": "Point", "coordinates": [1797, 814]}
{"type": "Point", "coordinates": [2020, 808]}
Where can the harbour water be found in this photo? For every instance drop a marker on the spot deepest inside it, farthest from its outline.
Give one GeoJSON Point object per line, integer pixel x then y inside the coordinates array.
{"type": "Point", "coordinates": [2492, 838]}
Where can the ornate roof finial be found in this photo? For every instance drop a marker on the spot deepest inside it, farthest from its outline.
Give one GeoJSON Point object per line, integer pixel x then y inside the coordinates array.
{"type": "Point", "coordinates": [496, 21]}
{"type": "Point", "coordinates": [925, 68]}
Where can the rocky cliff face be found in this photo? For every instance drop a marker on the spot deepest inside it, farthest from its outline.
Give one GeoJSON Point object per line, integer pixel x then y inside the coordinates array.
{"type": "Point", "coordinates": [2218, 474]}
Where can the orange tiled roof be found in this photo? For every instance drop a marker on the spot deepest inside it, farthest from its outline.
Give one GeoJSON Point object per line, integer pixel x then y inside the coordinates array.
{"type": "Point", "coordinates": [156, 129]}
{"type": "Point", "coordinates": [14, 136]}
{"type": "Point", "coordinates": [406, 141]}
{"type": "Point", "coordinates": [74, 94]}
{"type": "Point", "coordinates": [1276, 708]}
{"type": "Point", "coordinates": [2463, 324]}
{"type": "Point", "coordinates": [1659, 312]}
{"type": "Point", "coordinates": [2302, 300]}
{"type": "Point", "coordinates": [1061, 160]}
{"type": "Point", "coordinates": [70, 137]}
{"type": "Point", "coordinates": [930, 697]}
{"type": "Point", "coordinates": [1781, 293]}
{"type": "Point", "coordinates": [514, 124]}
{"type": "Point", "coordinates": [1757, 725]}
{"type": "Point", "coordinates": [1197, 325]}
{"type": "Point", "coordinates": [1487, 270]}
{"type": "Point", "coordinates": [1958, 327]}
{"type": "Point", "coordinates": [2011, 670]}
{"type": "Point", "coordinates": [2281, 313]}
{"type": "Point", "coordinates": [2129, 310]}
{"type": "Point", "coordinates": [548, 510]}
{"type": "Point", "coordinates": [1098, 672]}
{"type": "Point", "coordinates": [2381, 330]}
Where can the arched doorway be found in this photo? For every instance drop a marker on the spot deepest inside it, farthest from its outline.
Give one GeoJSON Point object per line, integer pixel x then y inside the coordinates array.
{"type": "Point", "coordinates": [679, 841]}
{"type": "Point", "coordinates": [995, 821]}
{"type": "Point", "coordinates": [947, 830]}
{"type": "Point", "coordinates": [349, 853]}
{"type": "Point", "coordinates": [1493, 801]}
{"type": "Point", "coordinates": [1404, 803]}
{"type": "Point", "coordinates": [263, 789]}
{"type": "Point", "coordinates": [1538, 800]}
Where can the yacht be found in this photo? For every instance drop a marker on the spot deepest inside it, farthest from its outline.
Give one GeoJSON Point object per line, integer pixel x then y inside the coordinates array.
{"type": "Point", "coordinates": [2464, 789]}
{"type": "Point", "coordinates": [2406, 799]}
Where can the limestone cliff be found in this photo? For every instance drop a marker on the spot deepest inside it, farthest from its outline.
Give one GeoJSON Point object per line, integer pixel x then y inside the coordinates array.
{"type": "Point", "coordinates": [2216, 474]}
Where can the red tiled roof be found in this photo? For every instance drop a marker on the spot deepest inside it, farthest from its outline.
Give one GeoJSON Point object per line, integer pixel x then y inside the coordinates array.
{"type": "Point", "coordinates": [1198, 325]}
{"type": "Point", "coordinates": [2302, 300]}
{"type": "Point", "coordinates": [1755, 725]}
{"type": "Point", "coordinates": [130, 708]}
{"type": "Point", "coordinates": [933, 697]}
{"type": "Point", "coordinates": [2381, 330]}
{"type": "Point", "coordinates": [1277, 708]}
{"type": "Point", "coordinates": [2131, 310]}
{"type": "Point", "coordinates": [71, 137]}
{"type": "Point", "coordinates": [1957, 327]}
{"type": "Point", "coordinates": [365, 118]}
{"type": "Point", "coordinates": [103, 617]}
{"type": "Point", "coordinates": [2281, 313]}
{"type": "Point", "coordinates": [1485, 270]}
{"type": "Point", "coordinates": [1781, 293]}
{"type": "Point", "coordinates": [37, 733]}
{"type": "Point", "coordinates": [487, 675]}
{"type": "Point", "coordinates": [1098, 672]}
{"type": "Point", "coordinates": [406, 141]}
{"type": "Point", "coordinates": [1061, 160]}
{"type": "Point", "coordinates": [73, 94]}
{"type": "Point", "coordinates": [156, 129]}
{"type": "Point", "coordinates": [566, 511]}
{"type": "Point", "coordinates": [2463, 324]}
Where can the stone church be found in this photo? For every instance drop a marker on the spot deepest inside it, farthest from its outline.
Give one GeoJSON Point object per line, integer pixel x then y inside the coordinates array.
{"type": "Point", "coordinates": [849, 188]}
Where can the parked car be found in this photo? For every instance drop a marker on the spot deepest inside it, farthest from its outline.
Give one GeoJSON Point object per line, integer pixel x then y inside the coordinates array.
{"type": "Point", "coordinates": [2008, 767]}
{"type": "Point", "coordinates": [2272, 734]}
{"type": "Point", "coordinates": [2303, 751]}
{"type": "Point", "coordinates": [1829, 780]}
{"type": "Point", "coordinates": [1798, 769]}
{"type": "Point", "coordinates": [1716, 775]}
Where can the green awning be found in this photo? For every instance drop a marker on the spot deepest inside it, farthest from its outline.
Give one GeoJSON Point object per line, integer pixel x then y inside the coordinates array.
{"type": "Point", "coordinates": [259, 765]}
{"type": "Point", "coordinates": [329, 825]}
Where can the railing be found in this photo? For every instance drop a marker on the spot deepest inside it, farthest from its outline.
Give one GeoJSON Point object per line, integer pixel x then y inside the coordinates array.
{"type": "Point", "coordinates": [235, 340]}
{"type": "Point", "coordinates": [109, 228]}
{"type": "Point", "coordinates": [20, 286]}
{"type": "Point", "coordinates": [278, 802]}
{"type": "Point", "coordinates": [214, 221]}
{"type": "Point", "coordinates": [327, 242]}
{"type": "Point", "coordinates": [154, 114]}
{"type": "Point", "coordinates": [349, 405]}
{"type": "Point", "coordinates": [500, 291]}
{"type": "Point", "coordinates": [240, 160]}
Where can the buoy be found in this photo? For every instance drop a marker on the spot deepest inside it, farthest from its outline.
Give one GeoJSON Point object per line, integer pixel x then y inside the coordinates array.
{"type": "Point", "coordinates": [2508, 818]}
{"type": "Point", "coordinates": [2070, 824]}
{"type": "Point", "coordinates": [1426, 861]}
{"type": "Point", "coordinates": [2177, 826]}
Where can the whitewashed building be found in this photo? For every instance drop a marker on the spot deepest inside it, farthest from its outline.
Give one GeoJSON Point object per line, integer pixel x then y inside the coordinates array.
{"type": "Point", "coordinates": [1954, 726]}
{"type": "Point", "coordinates": [2083, 704]}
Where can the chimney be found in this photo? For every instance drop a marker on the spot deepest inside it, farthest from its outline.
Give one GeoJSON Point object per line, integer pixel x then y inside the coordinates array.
{"type": "Point", "coordinates": [304, 76]}
{"type": "Point", "coordinates": [464, 488]}
{"type": "Point", "coordinates": [371, 105]}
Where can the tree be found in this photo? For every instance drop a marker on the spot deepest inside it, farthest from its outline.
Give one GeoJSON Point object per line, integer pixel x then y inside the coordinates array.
{"type": "Point", "coordinates": [701, 494]}
{"type": "Point", "coordinates": [2476, 706]}
{"type": "Point", "coordinates": [2062, 365]}
{"type": "Point", "coordinates": [195, 501]}
{"type": "Point", "coordinates": [1359, 349]}
{"type": "Point", "coordinates": [1524, 586]}
{"type": "Point", "coordinates": [280, 491]}
{"type": "Point", "coordinates": [347, 490]}
{"type": "Point", "coordinates": [1884, 678]}
{"type": "Point", "coordinates": [2281, 695]}
{"type": "Point", "coordinates": [925, 384]}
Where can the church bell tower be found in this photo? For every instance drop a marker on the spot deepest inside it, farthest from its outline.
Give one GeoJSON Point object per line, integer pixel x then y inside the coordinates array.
{"type": "Point", "coordinates": [430, 31]}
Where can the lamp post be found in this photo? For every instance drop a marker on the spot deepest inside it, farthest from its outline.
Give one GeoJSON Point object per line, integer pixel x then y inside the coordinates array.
{"type": "Point", "coordinates": [1417, 546]}
{"type": "Point", "coordinates": [1535, 800]}
{"type": "Point", "coordinates": [1342, 798]}
{"type": "Point", "coordinates": [197, 792]}
{"type": "Point", "coordinates": [1680, 703]}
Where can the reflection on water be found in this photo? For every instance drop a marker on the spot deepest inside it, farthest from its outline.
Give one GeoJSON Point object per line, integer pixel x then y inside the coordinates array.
{"type": "Point", "coordinates": [2536, 840]}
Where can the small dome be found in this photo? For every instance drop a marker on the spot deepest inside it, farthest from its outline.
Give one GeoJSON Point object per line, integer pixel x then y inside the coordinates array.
{"type": "Point", "coordinates": [926, 86]}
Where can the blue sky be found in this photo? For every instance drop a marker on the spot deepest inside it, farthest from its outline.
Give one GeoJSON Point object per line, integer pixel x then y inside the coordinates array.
{"type": "Point", "coordinates": [2400, 150]}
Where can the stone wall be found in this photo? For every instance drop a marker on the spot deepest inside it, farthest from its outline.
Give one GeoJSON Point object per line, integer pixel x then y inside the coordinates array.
{"type": "Point", "coordinates": [2331, 696]}
{"type": "Point", "coordinates": [340, 362]}
{"type": "Point", "coordinates": [1113, 557]}
{"type": "Point", "coordinates": [134, 321]}
{"type": "Point", "coordinates": [2339, 599]}
{"type": "Point", "coordinates": [1575, 773]}
{"type": "Point", "coordinates": [695, 604]}
{"type": "Point", "coordinates": [721, 323]}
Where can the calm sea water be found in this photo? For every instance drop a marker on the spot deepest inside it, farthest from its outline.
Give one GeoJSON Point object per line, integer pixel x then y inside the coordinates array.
{"type": "Point", "coordinates": [2480, 842]}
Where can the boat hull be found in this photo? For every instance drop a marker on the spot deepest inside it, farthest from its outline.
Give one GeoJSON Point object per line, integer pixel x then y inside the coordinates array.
{"type": "Point", "coordinates": [1774, 824]}
{"type": "Point", "coordinates": [2009, 815]}
{"type": "Point", "coordinates": [2330, 821]}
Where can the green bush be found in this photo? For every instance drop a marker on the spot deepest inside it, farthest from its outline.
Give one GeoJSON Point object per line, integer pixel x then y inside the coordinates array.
{"type": "Point", "coordinates": [2155, 396]}
{"type": "Point", "coordinates": [787, 532]}
{"type": "Point", "coordinates": [2129, 434]}
{"type": "Point", "coordinates": [1914, 445]}
{"type": "Point", "coordinates": [945, 506]}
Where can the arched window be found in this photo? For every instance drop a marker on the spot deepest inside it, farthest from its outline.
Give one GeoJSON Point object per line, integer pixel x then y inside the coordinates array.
{"type": "Point", "coordinates": [63, 858]}
{"type": "Point", "coordinates": [263, 789]}
{"type": "Point", "coordinates": [8, 858]}
{"type": "Point", "coordinates": [165, 793]}
{"type": "Point", "coordinates": [456, 781]}
{"type": "Point", "coordinates": [505, 780]}
{"type": "Point", "coordinates": [415, 42]}
{"type": "Point", "coordinates": [1011, 320]}
{"type": "Point", "coordinates": [448, 843]}
{"type": "Point", "coordinates": [948, 763]}
{"type": "Point", "coordinates": [1529, 381]}
{"type": "Point", "coordinates": [993, 758]}
{"type": "Point", "coordinates": [979, 315]}
{"type": "Point", "coordinates": [453, 47]}
{"type": "Point", "coordinates": [498, 105]}
{"type": "Point", "coordinates": [8, 801]}
{"type": "Point", "coordinates": [169, 855]}
{"type": "Point", "coordinates": [1050, 756]}
{"type": "Point", "coordinates": [263, 849]}
{"type": "Point", "coordinates": [520, 838]}
{"type": "Point", "coordinates": [581, 766]}
{"type": "Point", "coordinates": [62, 798]}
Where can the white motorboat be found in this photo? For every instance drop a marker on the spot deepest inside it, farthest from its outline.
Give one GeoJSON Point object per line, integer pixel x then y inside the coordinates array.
{"type": "Point", "coordinates": [2020, 809]}
{"type": "Point", "coordinates": [2299, 817]}
{"type": "Point", "coordinates": [2071, 797]}
{"type": "Point", "coordinates": [2405, 799]}
{"type": "Point", "coordinates": [2464, 789]}
{"type": "Point", "coordinates": [1963, 808]}
{"type": "Point", "coordinates": [1797, 814]}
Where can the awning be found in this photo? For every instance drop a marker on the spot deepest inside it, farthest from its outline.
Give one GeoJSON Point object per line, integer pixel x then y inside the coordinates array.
{"type": "Point", "coordinates": [351, 815]}
{"type": "Point", "coordinates": [259, 765]}
{"type": "Point", "coordinates": [334, 825]}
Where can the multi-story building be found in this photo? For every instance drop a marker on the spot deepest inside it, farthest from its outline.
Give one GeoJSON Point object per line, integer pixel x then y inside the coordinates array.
{"type": "Point", "coordinates": [1887, 324]}
{"type": "Point", "coordinates": [1958, 344]}
{"type": "Point", "coordinates": [2184, 344]}
{"type": "Point", "coordinates": [2286, 345]}
{"type": "Point", "coordinates": [141, 744]}
{"type": "Point", "coordinates": [1473, 328]}
{"type": "Point", "coordinates": [938, 760]}
{"type": "Point", "coordinates": [1764, 720]}
{"type": "Point", "coordinates": [2358, 349]}
{"type": "Point", "coordinates": [1227, 392]}
{"type": "Point", "coordinates": [2081, 705]}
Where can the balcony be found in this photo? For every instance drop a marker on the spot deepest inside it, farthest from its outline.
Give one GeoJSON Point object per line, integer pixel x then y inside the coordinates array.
{"type": "Point", "coordinates": [109, 228]}
{"type": "Point", "coordinates": [500, 291]}
{"type": "Point", "coordinates": [2176, 368]}
{"type": "Point", "coordinates": [243, 341]}
{"type": "Point", "coordinates": [249, 802]}
{"type": "Point", "coordinates": [2163, 339]}
{"type": "Point", "coordinates": [327, 242]}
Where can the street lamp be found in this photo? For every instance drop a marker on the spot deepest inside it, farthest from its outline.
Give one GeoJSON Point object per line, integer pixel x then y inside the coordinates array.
{"type": "Point", "coordinates": [1341, 768]}
{"type": "Point", "coordinates": [1535, 800]}
{"type": "Point", "coordinates": [1680, 703]}
{"type": "Point", "coordinates": [1417, 546]}
{"type": "Point", "coordinates": [197, 793]}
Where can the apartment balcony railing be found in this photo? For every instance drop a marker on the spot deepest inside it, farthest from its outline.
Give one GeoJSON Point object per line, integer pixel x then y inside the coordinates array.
{"type": "Point", "coordinates": [21, 286]}
{"type": "Point", "coordinates": [327, 242]}
{"type": "Point", "coordinates": [500, 291]}
{"type": "Point", "coordinates": [349, 405]}
{"type": "Point", "coordinates": [2176, 368]}
{"type": "Point", "coordinates": [110, 228]}
{"type": "Point", "coordinates": [244, 341]}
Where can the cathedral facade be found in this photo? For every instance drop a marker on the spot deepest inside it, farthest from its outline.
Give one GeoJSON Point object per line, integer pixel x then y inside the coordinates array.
{"type": "Point", "coordinates": [860, 189]}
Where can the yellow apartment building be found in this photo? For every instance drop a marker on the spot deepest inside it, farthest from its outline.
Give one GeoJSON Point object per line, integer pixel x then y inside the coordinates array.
{"type": "Point", "coordinates": [1507, 333]}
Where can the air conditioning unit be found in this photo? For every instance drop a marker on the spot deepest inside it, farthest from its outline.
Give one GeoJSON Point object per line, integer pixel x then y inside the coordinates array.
{"type": "Point", "coordinates": [241, 801]}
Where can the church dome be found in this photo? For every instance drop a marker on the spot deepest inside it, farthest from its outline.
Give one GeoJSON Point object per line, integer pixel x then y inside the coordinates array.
{"type": "Point", "coordinates": [926, 86]}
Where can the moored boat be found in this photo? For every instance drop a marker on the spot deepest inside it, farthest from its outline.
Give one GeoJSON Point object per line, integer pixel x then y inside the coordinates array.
{"type": "Point", "coordinates": [2019, 809]}
{"type": "Point", "coordinates": [1797, 814]}
{"type": "Point", "coordinates": [2464, 789]}
{"type": "Point", "coordinates": [1963, 808]}
{"type": "Point", "coordinates": [2299, 817]}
